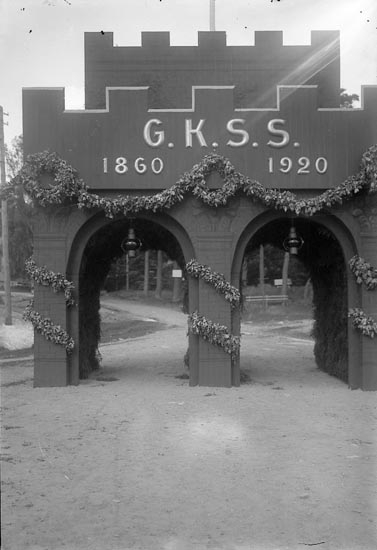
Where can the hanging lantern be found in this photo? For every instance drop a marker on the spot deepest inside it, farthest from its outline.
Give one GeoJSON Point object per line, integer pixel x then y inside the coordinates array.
{"type": "Point", "coordinates": [293, 242]}
{"type": "Point", "coordinates": [131, 243]}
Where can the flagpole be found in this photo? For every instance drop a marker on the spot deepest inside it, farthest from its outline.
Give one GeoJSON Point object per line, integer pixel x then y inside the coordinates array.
{"type": "Point", "coordinates": [212, 15]}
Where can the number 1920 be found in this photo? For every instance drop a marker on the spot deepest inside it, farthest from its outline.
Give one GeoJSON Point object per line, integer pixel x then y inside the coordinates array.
{"type": "Point", "coordinates": [301, 166]}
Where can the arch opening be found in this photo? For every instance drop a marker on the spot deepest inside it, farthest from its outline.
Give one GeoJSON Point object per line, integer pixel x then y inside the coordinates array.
{"type": "Point", "coordinates": [102, 253]}
{"type": "Point", "coordinates": [319, 267]}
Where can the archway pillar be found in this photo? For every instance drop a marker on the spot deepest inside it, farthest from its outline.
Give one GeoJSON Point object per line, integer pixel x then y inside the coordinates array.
{"type": "Point", "coordinates": [214, 364]}
{"type": "Point", "coordinates": [369, 306]}
{"type": "Point", "coordinates": [50, 359]}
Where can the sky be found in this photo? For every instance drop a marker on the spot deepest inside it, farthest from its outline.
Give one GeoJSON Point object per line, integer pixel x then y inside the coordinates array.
{"type": "Point", "coordinates": [42, 41]}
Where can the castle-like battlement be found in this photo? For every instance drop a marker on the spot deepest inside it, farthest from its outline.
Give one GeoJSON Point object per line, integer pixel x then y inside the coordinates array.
{"type": "Point", "coordinates": [211, 39]}
{"type": "Point", "coordinates": [170, 71]}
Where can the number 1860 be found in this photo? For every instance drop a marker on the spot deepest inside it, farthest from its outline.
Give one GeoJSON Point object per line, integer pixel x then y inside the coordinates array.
{"type": "Point", "coordinates": [301, 166]}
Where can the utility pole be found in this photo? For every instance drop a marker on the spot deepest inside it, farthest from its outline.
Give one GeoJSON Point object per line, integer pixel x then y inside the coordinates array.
{"type": "Point", "coordinates": [212, 15]}
{"type": "Point", "coordinates": [4, 227]}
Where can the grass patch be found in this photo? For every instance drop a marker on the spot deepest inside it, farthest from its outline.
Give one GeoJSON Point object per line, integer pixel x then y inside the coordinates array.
{"type": "Point", "coordinates": [16, 383]}
{"type": "Point", "coordinates": [15, 353]}
{"type": "Point", "coordinates": [124, 329]}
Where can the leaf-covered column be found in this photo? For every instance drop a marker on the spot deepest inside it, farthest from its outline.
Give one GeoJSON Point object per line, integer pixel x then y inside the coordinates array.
{"type": "Point", "coordinates": [365, 319]}
{"type": "Point", "coordinates": [218, 347]}
{"type": "Point", "coordinates": [50, 357]}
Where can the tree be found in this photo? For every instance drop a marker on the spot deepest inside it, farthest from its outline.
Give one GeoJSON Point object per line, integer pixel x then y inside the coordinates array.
{"type": "Point", "coordinates": [261, 268]}
{"type": "Point", "coordinates": [273, 263]}
{"type": "Point", "coordinates": [346, 100]}
{"type": "Point", "coordinates": [19, 214]}
{"type": "Point", "coordinates": [284, 274]}
{"type": "Point", "coordinates": [146, 273]}
{"type": "Point", "coordinates": [14, 156]}
{"type": "Point", "coordinates": [158, 290]}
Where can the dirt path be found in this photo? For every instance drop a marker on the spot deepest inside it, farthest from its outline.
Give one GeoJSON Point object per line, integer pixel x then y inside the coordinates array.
{"type": "Point", "coordinates": [146, 462]}
{"type": "Point", "coordinates": [168, 315]}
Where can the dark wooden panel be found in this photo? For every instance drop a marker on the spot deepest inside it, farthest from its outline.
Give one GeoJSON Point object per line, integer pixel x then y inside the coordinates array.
{"type": "Point", "coordinates": [321, 148]}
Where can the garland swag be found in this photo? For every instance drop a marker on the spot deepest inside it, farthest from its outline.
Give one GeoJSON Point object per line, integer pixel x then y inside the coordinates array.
{"type": "Point", "coordinates": [366, 324]}
{"type": "Point", "coordinates": [217, 280]}
{"type": "Point", "coordinates": [367, 275]}
{"type": "Point", "coordinates": [45, 277]}
{"type": "Point", "coordinates": [363, 272]}
{"type": "Point", "coordinates": [205, 328]}
{"type": "Point", "coordinates": [69, 188]}
{"type": "Point", "coordinates": [44, 325]}
{"type": "Point", "coordinates": [214, 333]}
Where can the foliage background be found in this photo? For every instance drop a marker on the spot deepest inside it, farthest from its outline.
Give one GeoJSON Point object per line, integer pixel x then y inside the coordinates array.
{"type": "Point", "coordinates": [19, 215]}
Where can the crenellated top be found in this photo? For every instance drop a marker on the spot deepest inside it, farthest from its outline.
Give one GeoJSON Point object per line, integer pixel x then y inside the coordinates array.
{"type": "Point", "coordinates": [212, 39]}
{"type": "Point", "coordinates": [170, 71]}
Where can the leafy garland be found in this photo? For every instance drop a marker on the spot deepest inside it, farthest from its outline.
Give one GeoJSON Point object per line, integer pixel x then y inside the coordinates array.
{"type": "Point", "coordinates": [363, 272]}
{"type": "Point", "coordinates": [366, 324]}
{"type": "Point", "coordinates": [45, 277]}
{"type": "Point", "coordinates": [214, 333]}
{"type": "Point", "coordinates": [367, 275]}
{"type": "Point", "coordinates": [68, 187]}
{"type": "Point", "coordinates": [208, 330]}
{"type": "Point", "coordinates": [217, 280]}
{"type": "Point", "coordinates": [44, 325]}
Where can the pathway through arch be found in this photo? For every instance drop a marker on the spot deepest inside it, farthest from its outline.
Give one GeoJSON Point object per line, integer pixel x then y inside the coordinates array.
{"type": "Point", "coordinates": [273, 352]}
